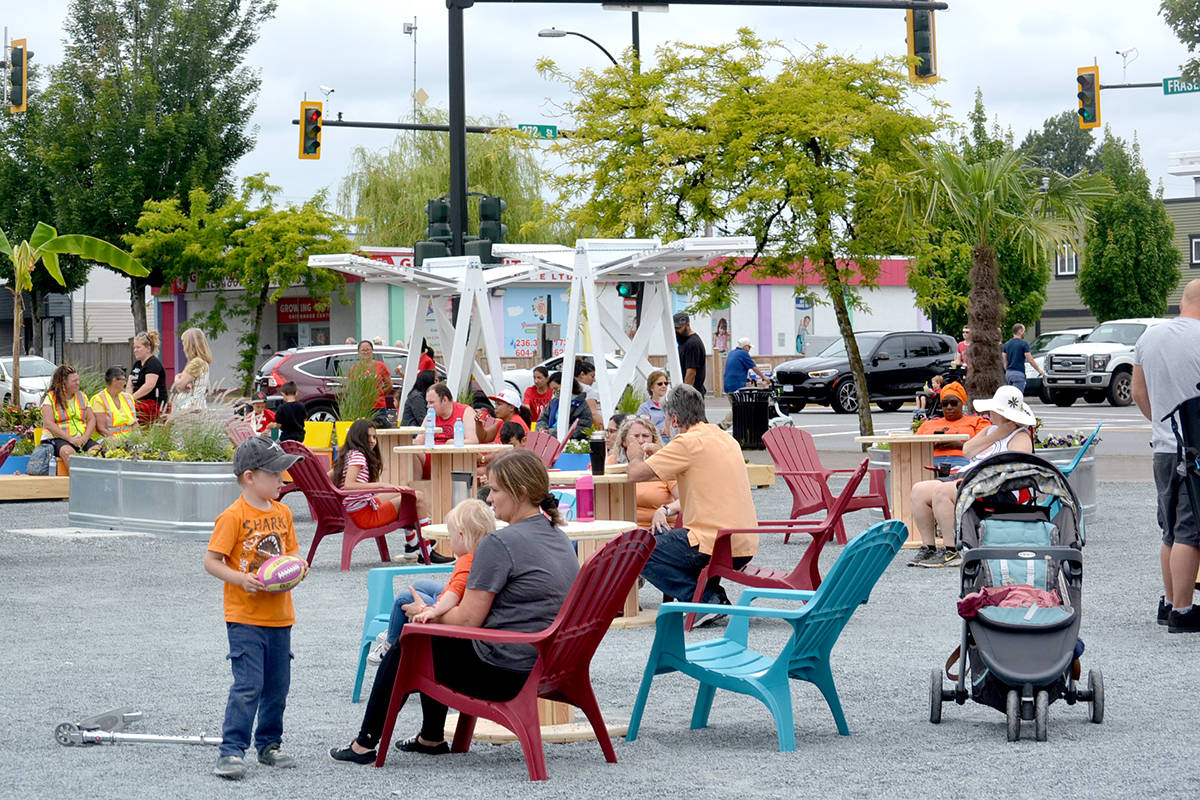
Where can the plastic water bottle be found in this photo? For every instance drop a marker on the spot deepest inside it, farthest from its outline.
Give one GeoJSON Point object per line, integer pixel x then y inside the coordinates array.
{"type": "Point", "coordinates": [585, 498]}
{"type": "Point", "coordinates": [458, 433]}
{"type": "Point", "coordinates": [429, 428]}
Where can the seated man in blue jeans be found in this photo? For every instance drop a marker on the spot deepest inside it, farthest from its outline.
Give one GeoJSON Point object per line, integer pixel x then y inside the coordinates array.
{"type": "Point", "coordinates": [714, 491]}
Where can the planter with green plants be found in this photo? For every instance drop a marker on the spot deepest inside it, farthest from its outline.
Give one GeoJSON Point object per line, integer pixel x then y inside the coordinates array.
{"type": "Point", "coordinates": [173, 477]}
{"type": "Point", "coordinates": [356, 393]}
{"type": "Point", "coordinates": [20, 424]}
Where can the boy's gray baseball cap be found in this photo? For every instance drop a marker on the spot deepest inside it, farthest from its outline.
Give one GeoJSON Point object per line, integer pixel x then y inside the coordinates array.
{"type": "Point", "coordinates": [259, 452]}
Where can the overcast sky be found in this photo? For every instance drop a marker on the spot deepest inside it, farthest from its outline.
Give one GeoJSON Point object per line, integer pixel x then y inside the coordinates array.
{"type": "Point", "coordinates": [1021, 53]}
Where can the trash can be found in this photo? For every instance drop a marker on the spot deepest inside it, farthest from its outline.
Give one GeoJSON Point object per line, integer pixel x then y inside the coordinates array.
{"type": "Point", "coordinates": [751, 416]}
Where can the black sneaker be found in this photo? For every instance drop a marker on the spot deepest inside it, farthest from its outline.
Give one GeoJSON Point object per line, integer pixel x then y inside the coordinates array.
{"type": "Point", "coordinates": [713, 617]}
{"type": "Point", "coordinates": [923, 552]}
{"type": "Point", "coordinates": [1184, 621]}
{"type": "Point", "coordinates": [415, 745]}
{"type": "Point", "coordinates": [1164, 610]}
{"type": "Point", "coordinates": [231, 768]}
{"type": "Point", "coordinates": [346, 755]}
{"type": "Point", "coordinates": [412, 551]}
{"type": "Point", "coordinates": [942, 557]}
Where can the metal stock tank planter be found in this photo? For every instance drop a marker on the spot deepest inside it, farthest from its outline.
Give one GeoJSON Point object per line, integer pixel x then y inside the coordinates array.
{"type": "Point", "coordinates": [172, 477]}
{"type": "Point", "coordinates": [150, 496]}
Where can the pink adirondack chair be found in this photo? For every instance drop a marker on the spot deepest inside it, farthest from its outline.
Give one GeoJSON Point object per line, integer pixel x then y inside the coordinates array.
{"type": "Point", "coordinates": [7, 449]}
{"type": "Point", "coordinates": [565, 652]}
{"type": "Point", "coordinates": [806, 575]}
{"type": "Point", "coordinates": [238, 430]}
{"type": "Point", "coordinates": [325, 503]}
{"type": "Point", "coordinates": [796, 461]}
{"type": "Point", "coordinates": [546, 445]}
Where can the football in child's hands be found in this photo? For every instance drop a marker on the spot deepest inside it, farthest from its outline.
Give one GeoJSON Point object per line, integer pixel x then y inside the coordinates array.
{"type": "Point", "coordinates": [281, 573]}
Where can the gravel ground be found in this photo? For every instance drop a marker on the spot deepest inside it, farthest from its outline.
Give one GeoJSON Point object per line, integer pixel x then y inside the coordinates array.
{"type": "Point", "coordinates": [95, 623]}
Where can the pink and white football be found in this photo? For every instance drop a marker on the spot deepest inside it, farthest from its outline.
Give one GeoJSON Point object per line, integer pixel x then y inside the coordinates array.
{"type": "Point", "coordinates": [281, 573]}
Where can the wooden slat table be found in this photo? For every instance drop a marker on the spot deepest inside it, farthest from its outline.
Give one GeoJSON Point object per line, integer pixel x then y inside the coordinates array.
{"type": "Point", "coordinates": [444, 459]}
{"type": "Point", "coordinates": [558, 719]}
{"type": "Point", "coordinates": [909, 455]}
{"type": "Point", "coordinates": [397, 469]}
{"type": "Point", "coordinates": [615, 495]}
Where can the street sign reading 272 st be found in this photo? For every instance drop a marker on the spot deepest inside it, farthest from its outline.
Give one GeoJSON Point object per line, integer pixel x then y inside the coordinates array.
{"type": "Point", "coordinates": [1179, 86]}
{"type": "Point", "coordinates": [540, 131]}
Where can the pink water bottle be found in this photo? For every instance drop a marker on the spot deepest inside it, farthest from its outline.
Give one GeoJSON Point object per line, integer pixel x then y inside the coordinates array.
{"type": "Point", "coordinates": [585, 498]}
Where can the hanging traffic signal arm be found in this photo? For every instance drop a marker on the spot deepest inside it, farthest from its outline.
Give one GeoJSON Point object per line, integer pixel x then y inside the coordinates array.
{"type": "Point", "coordinates": [18, 76]}
{"type": "Point", "coordinates": [310, 129]}
{"type": "Point", "coordinates": [921, 45]}
{"type": "Point", "coordinates": [1088, 81]}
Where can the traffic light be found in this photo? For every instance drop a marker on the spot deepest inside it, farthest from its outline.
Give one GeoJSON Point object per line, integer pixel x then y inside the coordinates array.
{"type": "Point", "coordinates": [18, 80]}
{"type": "Point", "coordinates": [310, 129]}
{"type": "Point", "coordinates": [1088, 79]}
{"type": "Point", "coordinates": [921, 44]}
{"type": "Point", "coordinates": [437, 232]}
{"type": "Point", "coordinates": [627, 289]}
{"type": "Point", "coordinates": [490, 226]}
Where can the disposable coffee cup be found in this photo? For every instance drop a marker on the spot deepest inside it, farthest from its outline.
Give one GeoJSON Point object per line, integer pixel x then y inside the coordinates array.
{"type": "Point", "coordinates": [599, 451]}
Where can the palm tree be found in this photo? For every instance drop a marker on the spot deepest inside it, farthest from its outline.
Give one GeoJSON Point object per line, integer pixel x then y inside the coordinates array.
{"type": "Point", "coordinates": [46, 245]}
{"type": "Point", "coordinates": [995, 200]}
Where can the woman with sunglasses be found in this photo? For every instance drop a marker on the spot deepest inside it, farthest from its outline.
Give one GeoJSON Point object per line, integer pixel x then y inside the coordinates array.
{"type": "Point", "coordinates": [656, 385]}
{"type": "Point", "coordinates": [953, 399]}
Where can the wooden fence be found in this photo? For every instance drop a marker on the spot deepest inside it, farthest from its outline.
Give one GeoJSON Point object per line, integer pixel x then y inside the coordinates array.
{"type": "Point", "coordinates": [99, 356]}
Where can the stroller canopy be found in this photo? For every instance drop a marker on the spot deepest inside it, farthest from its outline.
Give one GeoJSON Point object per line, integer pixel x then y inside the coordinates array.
{"type": "Point", "coordinates": [1014, 472]}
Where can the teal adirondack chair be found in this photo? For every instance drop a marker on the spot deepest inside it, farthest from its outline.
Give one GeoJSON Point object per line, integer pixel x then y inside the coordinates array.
{"type": "Point", "coordinates": [729, 663]}
{"type": "Point", "coordinates": [381, 596]}
{"type": "Point", "coordinates": [1069, 468]}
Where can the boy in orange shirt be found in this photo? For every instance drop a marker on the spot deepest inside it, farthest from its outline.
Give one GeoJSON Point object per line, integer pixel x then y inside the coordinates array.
{"type": "Point", "coordinates": [258, 623]}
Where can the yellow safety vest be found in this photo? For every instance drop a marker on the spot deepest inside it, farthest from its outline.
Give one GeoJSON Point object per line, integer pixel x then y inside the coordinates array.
{"type": "Point", "coordinates": [73, 417]}
{"type": "Point", "coordinates": [121, 414]}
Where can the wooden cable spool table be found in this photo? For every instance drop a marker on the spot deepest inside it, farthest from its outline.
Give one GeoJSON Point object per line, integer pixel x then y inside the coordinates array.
{"type": "Point", "coordinates": [444, 459]}
{"type": "Point", "coordinates": [396, 468]}
{"type": "Point", "coordinates": [910, 453]}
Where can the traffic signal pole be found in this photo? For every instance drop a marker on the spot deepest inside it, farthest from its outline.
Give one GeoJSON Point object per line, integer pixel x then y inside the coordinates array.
{"type": "Point", "coordinates": [458, 125]}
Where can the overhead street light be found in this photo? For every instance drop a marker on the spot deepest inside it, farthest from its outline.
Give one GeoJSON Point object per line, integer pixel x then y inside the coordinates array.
{"type": "Point", "coordinates": [555, 33]}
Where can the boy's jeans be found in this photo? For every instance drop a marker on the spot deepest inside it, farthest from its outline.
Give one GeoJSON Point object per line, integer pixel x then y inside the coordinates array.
{"type": "Point", "coordinates": [261, 659]}
{"type": "Point", "coordinates": [427, 588]}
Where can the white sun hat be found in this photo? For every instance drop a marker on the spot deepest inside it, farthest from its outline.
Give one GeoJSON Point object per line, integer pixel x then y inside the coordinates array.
{"type": "Point", "coordinates": [1010, 403]}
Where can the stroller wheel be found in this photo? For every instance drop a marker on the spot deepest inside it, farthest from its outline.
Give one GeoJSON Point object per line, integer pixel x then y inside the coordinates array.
{"type": "Point", "coordinates": [1013, 714]}
{"type": "Point", "coordinates": [1096, 690]}
{"type": "Point", "coordinates": [1041, 715]}
{"type": "Point", "coordinates": [935, 696]}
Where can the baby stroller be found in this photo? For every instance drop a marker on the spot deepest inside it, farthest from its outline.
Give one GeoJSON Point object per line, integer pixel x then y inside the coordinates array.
{"type": "Point", "coordinates": [1018, 522]}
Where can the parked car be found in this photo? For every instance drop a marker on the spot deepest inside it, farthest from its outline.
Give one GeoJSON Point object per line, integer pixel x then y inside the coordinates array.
{"type": "Point", "coordinates": [522, 379]}
{"type": "Point", "coordinates": [316, 372]}
{"type": "Point", "coordinates": [897, 364]}
{"type": "Point", "coordinates": [1038, 349]}
{"type": "Point", "coordinates": [35, 379]}
{"type": "Point", "coordinates": [1098, 369]}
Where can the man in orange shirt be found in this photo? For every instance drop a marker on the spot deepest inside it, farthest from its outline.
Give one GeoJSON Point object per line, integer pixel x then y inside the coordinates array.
{"type": "Point", "coordinates": [714, 491]}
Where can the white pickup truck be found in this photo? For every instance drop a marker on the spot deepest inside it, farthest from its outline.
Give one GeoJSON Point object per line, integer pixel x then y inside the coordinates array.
{"type": "Point", "coordinates": [1098, 369]}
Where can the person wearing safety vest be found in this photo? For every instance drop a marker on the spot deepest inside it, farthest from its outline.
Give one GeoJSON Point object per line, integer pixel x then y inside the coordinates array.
{"type": "Point", "coordinates": [113, 407]}
{"type": "Point", "coordinates": [66, 415]}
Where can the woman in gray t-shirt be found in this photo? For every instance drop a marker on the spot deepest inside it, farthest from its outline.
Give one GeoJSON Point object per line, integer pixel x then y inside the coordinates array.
{"type": "Point", "coordinates": [518, 582]}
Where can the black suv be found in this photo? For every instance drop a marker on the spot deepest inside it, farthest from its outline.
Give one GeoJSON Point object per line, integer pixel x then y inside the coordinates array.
{"type": "Point", "coordinates": [897, 365]}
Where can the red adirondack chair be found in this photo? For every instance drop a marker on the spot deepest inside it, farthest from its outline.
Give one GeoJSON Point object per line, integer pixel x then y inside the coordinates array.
{"type": "Point", "coordinates": [565, 652]}
{"type": "Point", "coordinates": [325, 504]}
{"type": "Point", "coordinates": [7, 449]}
{"type": "Point", "coordinates": [546, 445]}
{"type": "Point", "coordinates": [238, 430]}
{"type": "Point", "coordinates": [796, 461]}
{"type": "Point", "coordinates": [806, 575]}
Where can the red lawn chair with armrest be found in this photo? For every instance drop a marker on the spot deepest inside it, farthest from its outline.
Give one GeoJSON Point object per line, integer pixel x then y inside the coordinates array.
{"type": "Point", "coordinates": [806, 575]}
{"type": "Point", "coordinates": [565, 652]}
{"type": "Point", "coordinates": [325, 503]}
{"type": "Point", "coordinates": [546, 445]}
{"type": "Point", "coordinates": [796, 460]}
{"type": "Point", "coordinates": [7, 449]}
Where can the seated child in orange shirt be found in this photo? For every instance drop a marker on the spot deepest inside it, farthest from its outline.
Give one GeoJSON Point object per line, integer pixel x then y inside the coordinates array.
{"type": "Point", "coordinates": [427, 600]}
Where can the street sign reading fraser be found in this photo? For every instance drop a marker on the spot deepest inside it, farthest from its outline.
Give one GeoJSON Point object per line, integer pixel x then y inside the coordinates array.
{"type": "Point", "coordinates": [1179, 86]}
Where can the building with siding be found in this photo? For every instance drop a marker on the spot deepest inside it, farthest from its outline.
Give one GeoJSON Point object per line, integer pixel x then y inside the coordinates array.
{"type": "Point", "coordinates": [1065, 309]}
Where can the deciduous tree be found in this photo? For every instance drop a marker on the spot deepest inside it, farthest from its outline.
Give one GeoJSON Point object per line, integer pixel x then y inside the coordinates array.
{"type": "Point", "coordinates": [796, 151]}
{"type": "Point", "coordinates": [1131, 264]}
